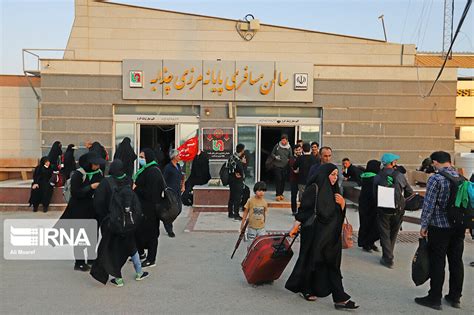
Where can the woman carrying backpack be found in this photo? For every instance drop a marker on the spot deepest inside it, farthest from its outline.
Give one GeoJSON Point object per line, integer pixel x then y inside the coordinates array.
{"type": "Point", "coordinates": [41, 189]}
{"type": "Point", "coordinates": [80, 206]}
{"type": "Point", "coordinates": [148, 184]}
{"type": "Point", "coordinates": [114, 248]}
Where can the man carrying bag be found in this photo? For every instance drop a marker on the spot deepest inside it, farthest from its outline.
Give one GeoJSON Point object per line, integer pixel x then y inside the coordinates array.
{"type": "Point", "coordinates": [444, 237]}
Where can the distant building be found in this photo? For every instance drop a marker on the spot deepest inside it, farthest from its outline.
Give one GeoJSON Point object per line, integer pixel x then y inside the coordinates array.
{"type": "Point", "coordinates": [465, 116]}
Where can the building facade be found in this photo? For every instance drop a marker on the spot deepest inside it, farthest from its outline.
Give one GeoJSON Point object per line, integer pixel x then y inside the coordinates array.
{"type": "Point", "coordinates": [128, 71]}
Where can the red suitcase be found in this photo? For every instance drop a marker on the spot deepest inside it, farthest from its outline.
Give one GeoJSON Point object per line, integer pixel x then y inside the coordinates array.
{"type": "Point", "coordinates": [266, 258]}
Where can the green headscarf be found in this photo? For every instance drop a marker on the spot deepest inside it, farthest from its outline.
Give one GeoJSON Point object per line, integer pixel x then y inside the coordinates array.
{"type": "Point", "coordinates": [91, 174]}
{"type": "Point", "coordinates": [144, 167]}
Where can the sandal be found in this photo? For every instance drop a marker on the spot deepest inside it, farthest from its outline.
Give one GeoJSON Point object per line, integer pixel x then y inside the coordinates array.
{"type": "Point", "coordinates": [309, 297]}
{"type": "Point", "coordinates": [349, 305]}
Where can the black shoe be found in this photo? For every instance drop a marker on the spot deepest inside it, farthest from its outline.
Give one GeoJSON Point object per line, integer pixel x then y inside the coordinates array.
{"type": "Point", "coordinates": [428, 302]}
{"type": "Point", "coordinates": [84, 268]}
{"type": "Point", "coordinates": [237, 217]}
{"type": "Point", "coordinates": [374, 248]}
{"type": "Point", "coordinates": [453, 302]}
{"type": "Point", "coordinates": [35, 209]}
{"type": "Point", "coordinates": [148, 263]}
{"type": "Point", "coordinates": [45, 209]}
{"type": "Point", "coordinates": [367, 249]}
{"type": "Point", "coordinates": [143, 256]}
{"type": "Point", "coordinates": [171, 234]}
{"type": "Point", "coordinates": [472, 264]}
{"type": "Point", "coordinates": [230, 216]}
{"type": "Point", "coordinates": [388, 264]}
{"type": "Point", "coordinates": [144, 275]}
{"type": "Point", "coordinates": [349, 305]}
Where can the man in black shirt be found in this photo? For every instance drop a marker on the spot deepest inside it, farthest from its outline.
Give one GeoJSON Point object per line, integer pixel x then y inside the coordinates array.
{"type": "Point", "coordinates": [302, 166]}
{"type": "Point", "coordinates": [350, 172]}
{"type": "Point", "coordinates": [236, 182]}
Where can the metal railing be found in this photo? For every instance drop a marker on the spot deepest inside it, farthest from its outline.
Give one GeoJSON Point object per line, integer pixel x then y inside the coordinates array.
{"type": "Point", "coordinates": [36, 71]}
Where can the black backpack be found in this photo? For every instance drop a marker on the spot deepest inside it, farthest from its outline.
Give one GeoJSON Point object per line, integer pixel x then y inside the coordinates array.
{"type": "Point", "coordinates": [224, 173]}
{"type": "Point", "coordinates": [458, 216]}
{"type": "Point", "coordinates": [125, 212]}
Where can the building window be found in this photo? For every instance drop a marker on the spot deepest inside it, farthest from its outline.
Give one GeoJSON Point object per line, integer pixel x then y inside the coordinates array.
{"type": "Point", "coordinates": [457, 132]}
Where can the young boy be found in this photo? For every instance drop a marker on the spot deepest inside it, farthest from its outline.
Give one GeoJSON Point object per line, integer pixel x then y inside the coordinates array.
{"type": "Point", "coordinates": [256, 209]}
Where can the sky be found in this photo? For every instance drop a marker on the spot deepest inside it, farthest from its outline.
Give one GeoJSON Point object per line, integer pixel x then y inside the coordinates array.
{"type": "Point", "coordinates": [47, 23]}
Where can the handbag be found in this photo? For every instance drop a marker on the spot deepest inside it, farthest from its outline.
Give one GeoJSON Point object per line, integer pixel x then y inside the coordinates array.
{"type": "Point", "coordinates": [414, 202]}
{"type": "Point", "coordinates": [347, 241]}
{"type": "Point", "coordinates": [170, 208]}
{"type": "Point", "coordinates": [269, 162]}
{"type": "Point", "coordinates": [420, 266]}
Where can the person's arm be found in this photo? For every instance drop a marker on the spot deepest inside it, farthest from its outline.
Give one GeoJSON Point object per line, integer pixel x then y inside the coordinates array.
{"type": "Point", "coordinates": [274, 151]}
{"type": "Point", "coordinates": [102, 200]}
{"type": "Point", "coordinates": [297, 164]}
{"type": "Point", "coordinates": [155, 186]}
{"type": "Point", "coordinates": [408, 191]}
{"type": "Point", "coordinates": [375, 188]}
{"type": "Point", "coordinates": [244, 217]}
{"type": "Point", "coordinates": [78, 190]}
{"type": "Point", "coordinates": [239, 169]}
{"type": "Point", "coordinates": [432, 191]}
{"type": "Point", "coordinates": [183, 180]}
{"type": "Point", "coordinates": [306, 209]}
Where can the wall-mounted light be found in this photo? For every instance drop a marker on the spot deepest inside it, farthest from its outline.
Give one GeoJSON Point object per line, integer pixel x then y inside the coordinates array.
{"type": "Point", "coordinates": [207, 111]}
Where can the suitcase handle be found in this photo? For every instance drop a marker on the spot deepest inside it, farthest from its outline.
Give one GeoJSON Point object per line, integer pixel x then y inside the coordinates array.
{"type": "Point", "coordinates": [280, 247]}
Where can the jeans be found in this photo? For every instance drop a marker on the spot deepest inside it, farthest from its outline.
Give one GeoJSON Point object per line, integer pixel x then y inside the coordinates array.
{"type": "Point", "coordinates": [136, 262]}
{"type": "Point", "coordinates": [280, 178]}
{"type": "Point", "coordinates": [389, 225]}
{"type": "Point", "coordinates": [441, 243]}
{"type": "Point", "coordinates": [253, 233]}
{"type": "Point", "coordinates": [236, 188]}
{"type": "Point", "coordinates": [294, 195]}
{"type": "Point", "coordinates": [301, 188]}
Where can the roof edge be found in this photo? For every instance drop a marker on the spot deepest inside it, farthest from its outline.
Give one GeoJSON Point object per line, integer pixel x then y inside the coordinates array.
{"type": "Point", "coordinates": [264, 24]}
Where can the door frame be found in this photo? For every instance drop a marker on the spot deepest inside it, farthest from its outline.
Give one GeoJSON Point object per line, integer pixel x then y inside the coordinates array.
{"type": "Point", "coordinates": [260, 122]}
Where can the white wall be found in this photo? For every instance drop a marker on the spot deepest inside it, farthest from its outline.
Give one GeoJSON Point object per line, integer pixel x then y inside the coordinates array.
{"type": "Point", "coordinates": [19, 123]}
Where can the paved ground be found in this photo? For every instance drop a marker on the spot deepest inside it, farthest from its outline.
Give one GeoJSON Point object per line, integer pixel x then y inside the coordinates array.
{"type": "Point", "coordinates": [195, 275]}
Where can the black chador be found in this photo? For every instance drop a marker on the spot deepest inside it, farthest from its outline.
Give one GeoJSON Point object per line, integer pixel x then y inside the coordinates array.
{"type": "Point", "coordinates": [41, 189]}
{"type": "Point", "coordinates": [126, 154]}
{"type": "Point", "coordinates": [318, 269]}
{"type": "Point", "coordinates": [114, 249]}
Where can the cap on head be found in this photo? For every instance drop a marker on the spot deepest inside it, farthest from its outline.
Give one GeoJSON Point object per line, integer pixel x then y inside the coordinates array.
{"type": "Point", "coordinates": [388, 158]}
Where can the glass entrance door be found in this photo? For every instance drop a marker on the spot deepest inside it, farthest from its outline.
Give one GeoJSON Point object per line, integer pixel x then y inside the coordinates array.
{"type": "Point", "coordinates": [248, 136]}
{"type": "Point", "coordinates": [309, 133]}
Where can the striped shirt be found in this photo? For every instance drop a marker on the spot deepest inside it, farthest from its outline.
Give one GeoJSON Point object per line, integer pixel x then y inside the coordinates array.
{"type": "Point", "coordinates": [436, 200]}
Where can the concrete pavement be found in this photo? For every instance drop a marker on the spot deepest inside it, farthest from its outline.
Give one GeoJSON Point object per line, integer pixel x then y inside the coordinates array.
{"type": "Point", "coordinates": [194, 275]}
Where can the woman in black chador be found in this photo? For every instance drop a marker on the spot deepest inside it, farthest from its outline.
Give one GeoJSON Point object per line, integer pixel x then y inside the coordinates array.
{"type": "Point", "coordinates": [55, 155]}
{"type": "Point", "coordinates": [84, 182]}
{"type": "Point", "coordinates": [41, 189]}
{"type": "Point", "coordinates": [149, 186]}
{"type": "Point", "coordinates": [317, 272]}
{"type": "Point", "coordinates": [126, 154]}
{"type": "Point", "coordinates": [69, 162]}
{"type": "Point", "coordinates": [368, 230]}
